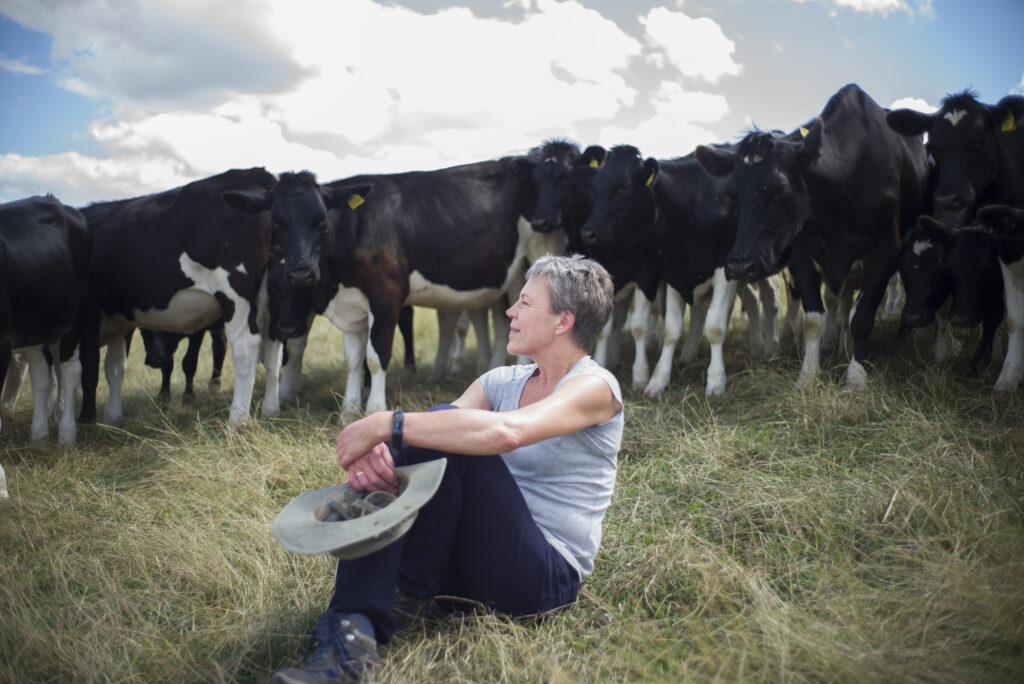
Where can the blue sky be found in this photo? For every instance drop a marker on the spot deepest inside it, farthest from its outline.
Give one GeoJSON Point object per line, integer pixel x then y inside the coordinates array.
{"type": "Point", "coordinates": [102, 103]}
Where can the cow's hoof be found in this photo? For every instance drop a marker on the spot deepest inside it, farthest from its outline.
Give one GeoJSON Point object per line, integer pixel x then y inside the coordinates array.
{"type": "Point", "coordinates": [856, 377]}
{"type": "Point", "coordinates": [806, 381]}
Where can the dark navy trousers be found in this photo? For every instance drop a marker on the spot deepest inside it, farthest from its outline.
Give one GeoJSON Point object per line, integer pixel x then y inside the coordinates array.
{"type": "Point", "coordinates": [474, 539]}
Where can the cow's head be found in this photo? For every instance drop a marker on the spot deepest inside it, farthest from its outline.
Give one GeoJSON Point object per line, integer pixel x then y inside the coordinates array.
{"type": "Point", "coordinates": [924, 271]}
{"type": "Point", "coordinates": [299, 208]}
{"type": "Point", "coordinates": [290, 307]}
{"type": "Point", "coordinates": [559, 199]}
{"type": "Point", "coordinates": [967, 143]}
{"type": "Point", "coordinates": [766, 189]}
{"type": "Point", "coordinates": [623, 195]}
{"type": "Point", "coordinates": [973, 262]}
{"type": "Point", "coordinates": [1008, 225]}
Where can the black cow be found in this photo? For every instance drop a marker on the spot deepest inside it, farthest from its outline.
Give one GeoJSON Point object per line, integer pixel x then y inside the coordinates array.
{"type": "Point", "coordinates": [177, 261]}
{"type": "Point", "coordinates": [842, 193]}
{"type": "Point", "coordinates": [161, 346]}
{"type": "Point", "coordinates": [44, 260]}
{"type": "Point", "coordinates": [1008, 225]}
{"type": "Point", "coordinates": [676, 219]}
{"type": "Point", "coordinates": [448, 239]}
{"type": "Point", "coordinates": [944, 268]}
{"type": "Point", "coordinates": [977, 149]}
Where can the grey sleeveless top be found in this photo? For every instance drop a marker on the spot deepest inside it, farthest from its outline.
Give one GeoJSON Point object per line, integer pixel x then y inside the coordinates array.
{"type": "Point", "coordinates": [567, 481]}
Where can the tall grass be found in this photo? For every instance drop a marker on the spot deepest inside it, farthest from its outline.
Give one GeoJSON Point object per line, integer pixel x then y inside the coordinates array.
{"type": "Point", "coordinates": [771, 535]}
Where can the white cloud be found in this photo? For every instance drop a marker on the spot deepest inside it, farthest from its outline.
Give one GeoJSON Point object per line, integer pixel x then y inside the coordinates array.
{"type": "Point", "coordinates": [671, 132]}
{"type": "Point", "coordinates": [923, 8]}
{"type": "Point", "coordinates": [17, 66]}
{"type": "Point", "coordinates": [913, 103]}
{"type": "Point", "coordinates": [1019, 89]}
{"type": "Point", "coordinates": [697, 47]}
{"type": "Point", "coordinates": [353, 87]}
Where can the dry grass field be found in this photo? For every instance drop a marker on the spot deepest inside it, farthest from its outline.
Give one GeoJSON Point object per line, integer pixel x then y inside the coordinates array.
{"type": "Point", "coordinates": [773, 535]}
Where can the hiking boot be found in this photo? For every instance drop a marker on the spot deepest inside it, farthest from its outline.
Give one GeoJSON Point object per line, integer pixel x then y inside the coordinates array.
{"type": "Point", "coordinates": [412, 611]}
{"type": "Point", "coordinates": [338, 652]}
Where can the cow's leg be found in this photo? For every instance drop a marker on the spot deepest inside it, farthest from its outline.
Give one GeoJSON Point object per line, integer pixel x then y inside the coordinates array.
{"type": "Point", "coordinates": [479, 318]}
{"type": "Point", "coordinates": [942, 348]}
{"type": "Point", "coordinates": [405, 327]}
{"type": "Point", "coordinates": [831, 333]}
{"type": "Point", "coordinates": [715, 327]}
{"type": "Point", "coordinates": [609, 341]}
{"type": "Point", "coordinates": [638, 321]}
{"type": "Point", "coordinates": [674, 308]}
{"type": "Point", "coordinates": [877, 272]}
{"type": "Point", "coordinates": [245, 357]}
{"type": "Point", "coordinates": [808, 283]}
{"type": "Point", "coordinates": [39, 376]}
{"type": "Point", "coordinates": [189, 364]}
{"type": "Point", "coordinates": [499, 347]}
{"type": "Point", "coordinates": [70, 375]}
{"type": "Point", "coordinates": [356, 342]}
{"type": "Point", "coordinates": [378, 354]}
{"type": "Point", "coordinates": [16, 371]}
{"type": "Point", "coordinates": [271, 353]}
{"type": "Point", "coordinates": [698, 317]}
{"type": "Point", "coordinates": [768, 296]}
{"type": "Point", "coordinates": [114, 366]}
{"type": "Point", "coordinates": [752, 309]}
{"type": "Point", "coordinates": [4, 494]}
{"type": "Point", "coordinates": [1013, 294]}
{"type": "Point", "coordinates": [458, 354]}
{"type": "Point", "coordinates": [992, 317]}
{"type": "Point", "coordinates": [291, 370]}
{"type": "Point", "coordinates": [845, 316]}
{"type": "Point", "coordinates": [218, 347]}
{"type": "Point", "coordinates": [447, 320]}
{"type": "Point", "coordinates": [791, 326]}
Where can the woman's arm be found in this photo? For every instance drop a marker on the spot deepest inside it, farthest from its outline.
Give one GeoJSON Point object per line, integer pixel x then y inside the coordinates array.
{"type": "Point", "coordinates": [580, 402]}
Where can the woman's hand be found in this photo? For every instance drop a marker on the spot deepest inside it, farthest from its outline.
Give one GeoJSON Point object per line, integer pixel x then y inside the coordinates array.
{"type": "Point", "coordinates": [374, 471]}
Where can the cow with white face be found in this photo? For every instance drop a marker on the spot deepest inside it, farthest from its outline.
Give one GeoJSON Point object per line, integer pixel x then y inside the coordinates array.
{"type": "Point", "coordinates": [977, 150]}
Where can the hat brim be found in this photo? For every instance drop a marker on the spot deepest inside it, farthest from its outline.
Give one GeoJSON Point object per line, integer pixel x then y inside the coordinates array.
{"type": "Point", "coordinates": [299, 529]}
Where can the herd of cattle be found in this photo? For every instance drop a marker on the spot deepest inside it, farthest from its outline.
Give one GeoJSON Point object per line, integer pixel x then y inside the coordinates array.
{"type": "Point", "coordinates": [850, 198]}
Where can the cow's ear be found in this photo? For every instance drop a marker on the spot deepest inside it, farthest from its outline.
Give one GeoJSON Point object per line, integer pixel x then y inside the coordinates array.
{"type": "Point", "coordinates": [521, 167]}
{"type": "Point", "coordinates": [248, 201]}
{"type": "Point", "coordinates": [1008, 113]}
{"type": "Point", "coordinates": [908, 122]}
{"type": "Point", "coordinates": [1001, 219]}
{"type": "Point", "coordinates": [593, 156]}
{"type": "Point", "coordinates": [648, 174]}
{"type": "Point", "coordinates": [717, 162]}
{"type": "Point", "coordinates": [351, 196]}
{"type": "Point", "coordinates": [929, 228]}
{"type": "Point", "coordinates": [810, 146]}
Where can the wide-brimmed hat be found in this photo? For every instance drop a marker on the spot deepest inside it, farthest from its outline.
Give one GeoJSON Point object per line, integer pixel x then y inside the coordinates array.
{"type": "Point", "coordinates": [349, 523]}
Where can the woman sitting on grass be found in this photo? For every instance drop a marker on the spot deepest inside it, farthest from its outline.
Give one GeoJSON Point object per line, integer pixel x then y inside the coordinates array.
{"type": "Point", "coordinates": [516, 531]}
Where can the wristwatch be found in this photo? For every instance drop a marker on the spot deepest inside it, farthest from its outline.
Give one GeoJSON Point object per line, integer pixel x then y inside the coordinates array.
{"type": "Point", "coordinates": [397, 423]}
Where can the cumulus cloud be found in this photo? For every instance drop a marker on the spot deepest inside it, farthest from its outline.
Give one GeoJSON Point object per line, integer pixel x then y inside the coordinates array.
{"type": "Point", "coordinates": [17, 66]}
{"type": "Point", "coordinates": [914, 103]}
{"type": "Point", "coordinates": [192, 89]}
{"type": "Point", "coordinates": [696, 47]}
{"type": "Point", "coordinates": [923, 8]}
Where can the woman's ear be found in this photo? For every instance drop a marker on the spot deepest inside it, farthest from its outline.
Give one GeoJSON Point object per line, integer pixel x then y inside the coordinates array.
{"type": "Point", "coordinates": [566, 322]}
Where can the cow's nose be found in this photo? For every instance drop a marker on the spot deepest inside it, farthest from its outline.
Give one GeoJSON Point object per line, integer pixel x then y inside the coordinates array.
{"type": "Point", "coordinates": [953, 201]}
{"type": "Point", "coordinates": [301, 277]}
{"type": "Point", "coordinates": [742, 268]}
{"type": "Point", "coordinates": [589, 234]}
{"type": "Point", "coordinates": [541, 225]}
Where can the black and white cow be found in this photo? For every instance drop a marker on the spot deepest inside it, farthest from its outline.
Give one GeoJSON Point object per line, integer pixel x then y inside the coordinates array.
{"type": "Point", "coordinates": [678, 217]}
{"type": "Point", "coordinates": [177, 261]}
{"type": "Point", "coordinates": [1008, 225]}
{"type": "Point", "coordinates": [842, 193]}
{"type": "Point", "coordinates": [952, 275]}
{"type": "Point", "coordinates": [161, 346]}
{"type": "Point", "coordinates": [448, 239]}
{"type": "Point", "coordinates": [977, 149]}
{"type": "Point", "coordinates": [44, 260]}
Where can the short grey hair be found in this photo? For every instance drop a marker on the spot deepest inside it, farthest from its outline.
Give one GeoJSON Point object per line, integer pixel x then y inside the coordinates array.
{"type": "Point", "coordinates": [578, 285]}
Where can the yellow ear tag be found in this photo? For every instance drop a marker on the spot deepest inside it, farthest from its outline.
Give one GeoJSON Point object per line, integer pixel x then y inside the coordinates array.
{"type": "Point", "coordinates": [593, 164]}
{"type": "Point", "coordinates": [650, 179]}
{"type": "Point", "coordinates": [1008, 123]}
{"type": "Point", "coordinates": [355, 200]}
{"type": "Point", "coordinates": [803, 132]}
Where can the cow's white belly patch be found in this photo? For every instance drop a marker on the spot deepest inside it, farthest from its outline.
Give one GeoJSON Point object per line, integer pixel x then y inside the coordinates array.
{"type": "Point", "coordinates": [422, 292]}
{"type": "Point", "coordinates": [349, 310]}
{"type": "Point", "coordinates": [188, 311]}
